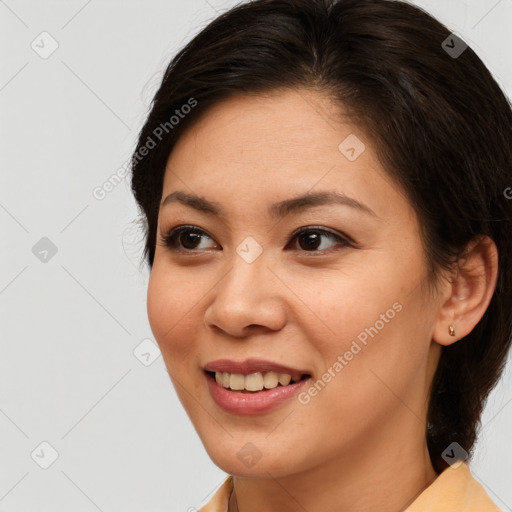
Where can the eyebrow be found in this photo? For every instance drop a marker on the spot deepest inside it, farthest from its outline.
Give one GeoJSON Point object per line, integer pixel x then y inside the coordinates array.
{"type": "Point", "coordinates": [276, 210]}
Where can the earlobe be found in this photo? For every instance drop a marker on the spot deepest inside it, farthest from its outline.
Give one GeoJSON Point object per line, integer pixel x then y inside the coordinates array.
{"type": "Point", "coordinates": [468, 294]}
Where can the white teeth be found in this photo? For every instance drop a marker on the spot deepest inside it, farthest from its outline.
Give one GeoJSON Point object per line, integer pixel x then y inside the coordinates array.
{"type": "Point", "coordinates": [237, 381]}
{"type": "Point", "coordinates": [271, 380]}
{"type": "Point", "coordinates": [254, 381]}
{"type": "Point", "coordinates": [284, 379]}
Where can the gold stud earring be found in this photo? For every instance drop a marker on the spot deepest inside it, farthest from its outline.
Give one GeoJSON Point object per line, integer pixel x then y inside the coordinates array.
{"type": "Point", "coordinates": [451, 330]}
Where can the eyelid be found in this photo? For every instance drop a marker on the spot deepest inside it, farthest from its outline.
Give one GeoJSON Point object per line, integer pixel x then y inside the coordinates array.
{"type": "Point", "coordinates": [174, 232]}
{"type": "Point", "coordinates": [324, 230]}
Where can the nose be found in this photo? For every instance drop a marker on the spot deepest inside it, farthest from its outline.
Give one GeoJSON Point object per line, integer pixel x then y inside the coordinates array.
{"type": "Point", "coordinates": [246, 299]}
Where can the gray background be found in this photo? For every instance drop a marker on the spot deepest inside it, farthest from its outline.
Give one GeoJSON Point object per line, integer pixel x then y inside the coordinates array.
{"type": "Point", "coordinates": [73, 372]}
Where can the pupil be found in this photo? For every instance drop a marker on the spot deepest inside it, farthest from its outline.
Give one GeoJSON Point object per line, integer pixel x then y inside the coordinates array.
{"type": "Point", "coordinates": [311, 240]}
{"type": "Point", "coordinates": [190, 239]}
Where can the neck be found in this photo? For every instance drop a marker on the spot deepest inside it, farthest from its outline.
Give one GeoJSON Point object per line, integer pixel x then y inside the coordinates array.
{"type": "Point", "coordinates": [386, 475]}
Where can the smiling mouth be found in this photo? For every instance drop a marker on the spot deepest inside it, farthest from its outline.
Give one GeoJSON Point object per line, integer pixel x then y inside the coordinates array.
{"type": "Point", "coordinates": [255, 382]}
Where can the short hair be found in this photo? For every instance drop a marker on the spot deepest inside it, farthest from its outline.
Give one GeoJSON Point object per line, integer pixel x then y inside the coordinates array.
{"type": "Point", "coordinates": [439, 122]}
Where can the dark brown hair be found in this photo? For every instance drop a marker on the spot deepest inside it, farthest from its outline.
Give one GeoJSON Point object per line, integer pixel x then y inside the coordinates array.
{"type": "Point", "coordinates": [439, 121]}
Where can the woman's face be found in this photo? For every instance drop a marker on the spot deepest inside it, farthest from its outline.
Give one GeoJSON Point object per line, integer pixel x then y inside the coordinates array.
{"type": "Point", "coordinates": [344, 304]}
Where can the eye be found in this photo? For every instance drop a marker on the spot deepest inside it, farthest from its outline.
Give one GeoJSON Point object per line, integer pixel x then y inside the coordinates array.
{"type": "Point", "coordinates": [310, 239]}
{"type": "Point", "coordinates": [184, 238]}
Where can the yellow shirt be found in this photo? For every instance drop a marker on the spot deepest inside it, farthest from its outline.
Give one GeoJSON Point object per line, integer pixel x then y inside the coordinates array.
{"type": "Point", "coordinates": [454, 490]}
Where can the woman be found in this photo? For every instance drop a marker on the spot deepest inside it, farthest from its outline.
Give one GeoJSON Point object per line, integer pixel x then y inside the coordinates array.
{"type": "Point", "coordinates": [323, 186]}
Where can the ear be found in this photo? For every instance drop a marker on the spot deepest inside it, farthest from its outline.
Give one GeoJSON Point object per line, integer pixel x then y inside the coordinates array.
{"type": "Point", "coordinates": [466, 295]}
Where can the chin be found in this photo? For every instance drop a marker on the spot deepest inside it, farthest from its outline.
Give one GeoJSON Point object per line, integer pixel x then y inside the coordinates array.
{"type": "Point", "coordinates": [255, 460]}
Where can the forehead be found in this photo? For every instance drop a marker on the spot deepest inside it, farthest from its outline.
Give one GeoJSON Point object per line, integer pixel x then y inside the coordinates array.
{"type": "Point", "coordinates": [284, 142]}
{"type": "Point", "coordinates": [282, 122]}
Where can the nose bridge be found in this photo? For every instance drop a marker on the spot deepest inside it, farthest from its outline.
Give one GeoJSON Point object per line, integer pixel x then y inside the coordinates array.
{"type": "Point", "coordinates": [246, 295]}
{"type": "Point", "coordinates": [248, 278]}
{"type": "Point", "coordinates": [248, 264]}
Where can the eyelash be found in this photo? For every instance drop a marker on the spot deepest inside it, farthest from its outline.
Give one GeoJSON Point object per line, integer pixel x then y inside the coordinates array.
{"type": "Point", "coordinates": [171, 239]}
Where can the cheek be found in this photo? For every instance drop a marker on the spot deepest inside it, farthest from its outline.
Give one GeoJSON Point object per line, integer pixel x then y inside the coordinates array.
{"type": "Point", "coordinates": [376, 358]}
{"type": "Point", "coordinates": [157, 298]}
{"type": "Point", "coordinates": [169, 304]}
{"type": "Point", "coordinates": [343, 305]}
{"type": "Point", "coordinates": [370, 319]}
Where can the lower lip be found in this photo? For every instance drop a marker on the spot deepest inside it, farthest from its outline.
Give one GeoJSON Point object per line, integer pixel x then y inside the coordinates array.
{"type": "Point", "coordinates": [266, 400]}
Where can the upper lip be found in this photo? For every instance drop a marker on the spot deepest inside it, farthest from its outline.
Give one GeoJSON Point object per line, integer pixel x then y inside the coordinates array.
{"type": "Point", "coordinates": [251, 366]}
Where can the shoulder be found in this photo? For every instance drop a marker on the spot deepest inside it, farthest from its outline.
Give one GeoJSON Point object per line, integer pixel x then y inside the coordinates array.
{"type": "Point", "coordinates": [454, 490]}
{"type": "Point", "coordinates": [219, 501]}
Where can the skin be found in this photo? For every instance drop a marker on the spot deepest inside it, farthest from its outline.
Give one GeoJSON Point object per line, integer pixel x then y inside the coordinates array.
{"type": "Point", "coordinates": [364, 433]}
